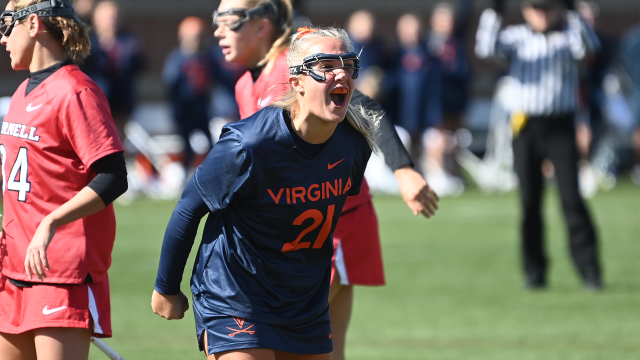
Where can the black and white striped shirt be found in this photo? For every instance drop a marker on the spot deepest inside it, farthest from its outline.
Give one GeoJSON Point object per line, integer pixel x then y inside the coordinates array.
{"type": "Point", "coordinates": [543, 66]}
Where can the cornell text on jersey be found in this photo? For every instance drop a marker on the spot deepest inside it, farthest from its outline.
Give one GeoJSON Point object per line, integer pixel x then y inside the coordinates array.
{"type": "Point", "coordinates": [19, 131]}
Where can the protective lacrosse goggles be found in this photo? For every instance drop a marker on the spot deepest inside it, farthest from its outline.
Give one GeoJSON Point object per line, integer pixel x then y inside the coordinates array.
{"type": "Point", "coordinates": [48, 8]}
{"type": "Point", "coordinates": [244, 15]}
{"type": "Point", "coordinates": [312, 65]}
{"type": "Point", "coordinates": [6, 22]}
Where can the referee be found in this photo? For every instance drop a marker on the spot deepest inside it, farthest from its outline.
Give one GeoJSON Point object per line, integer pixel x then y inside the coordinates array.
{"type": "Point", "coordinates": [543, 56]}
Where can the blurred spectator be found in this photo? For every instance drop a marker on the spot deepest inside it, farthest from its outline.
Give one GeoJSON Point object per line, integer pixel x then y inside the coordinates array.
{"type": "Point", "coordinates": [414, 90]}
{"type": "Point", "coordinates": [299, 19]}
{"type": "Point", "coordinates": [84, 10]}
{"type": "Point", "coordinates": [544, 57]}
{"type": "Point", "coordinates": [592, 124]}
{"type": "Point", "coordinates": [595, 69]}
{"type": "Point", "coordinates": [630, 55]}
{"type": "Point", "coordinates": [4, 106]}
{"type": "Point", "coordinates": [189, 73]}
{"type": "Point", "coordinates": [116, 58]}
{"type": "Point", "coordinates": [371, 83]}
{"type": "Point", "coordinates": [361, 29]}
{"type": "Point", "coordinates": [446, 42]}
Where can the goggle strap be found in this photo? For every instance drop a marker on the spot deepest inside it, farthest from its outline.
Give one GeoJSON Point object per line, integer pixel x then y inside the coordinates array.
{"type": "Point", "coordinates": [47, 8]}
{"type": "Point", "coordinates": [296, 70]}
{"type": "Point", "coordinates": [262, 8]}
{"type": "Point", "coordinates": [244, 13]}
{"type": "Point", "coordinates": [321, 56]}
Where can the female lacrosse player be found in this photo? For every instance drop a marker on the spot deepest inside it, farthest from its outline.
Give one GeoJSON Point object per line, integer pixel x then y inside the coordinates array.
{"type": "Point", "coordinates": [255, 33]}
{"type": "Point", "coordinates": [62, 167]}
{"type": "Point", "coordinates": [275, 185]}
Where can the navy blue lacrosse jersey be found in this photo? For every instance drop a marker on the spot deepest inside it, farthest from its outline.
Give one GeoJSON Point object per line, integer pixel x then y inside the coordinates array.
{"type": "Point", "coordinates": [267, 245]}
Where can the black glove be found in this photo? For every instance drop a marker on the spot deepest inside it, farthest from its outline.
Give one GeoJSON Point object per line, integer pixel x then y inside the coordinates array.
{"type": "Point", "coordinates": [499, 6]}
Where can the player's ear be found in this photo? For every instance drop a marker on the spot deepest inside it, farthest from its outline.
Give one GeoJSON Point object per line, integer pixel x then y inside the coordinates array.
{"type": "Point", "coordinates": [264, 28]}
{"type": "Point", "coordinates": [34, 25]}
{"type": "Point", "coordinates": [296, 84]}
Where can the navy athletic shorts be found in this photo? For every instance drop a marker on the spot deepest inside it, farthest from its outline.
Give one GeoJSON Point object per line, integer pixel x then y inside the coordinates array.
{"type": "Point", "coordinates": [226, 333]}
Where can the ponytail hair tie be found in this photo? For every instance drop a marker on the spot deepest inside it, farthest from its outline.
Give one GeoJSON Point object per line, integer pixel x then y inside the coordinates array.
{"type": "Point", "coordinates": [304, 31]}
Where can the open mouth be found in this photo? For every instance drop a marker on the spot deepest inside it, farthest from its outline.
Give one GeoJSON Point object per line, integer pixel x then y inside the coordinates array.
{"type": "Point", "coordinates": [339, 97]}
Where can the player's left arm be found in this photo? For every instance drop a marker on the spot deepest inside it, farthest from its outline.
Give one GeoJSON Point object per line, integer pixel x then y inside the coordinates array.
{"type": "Point", "coordinates": [84, 203]}
{"type": "Point", "coordinates": [415, 191]}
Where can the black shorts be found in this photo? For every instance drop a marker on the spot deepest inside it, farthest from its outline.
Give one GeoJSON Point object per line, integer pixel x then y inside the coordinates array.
{"type": "Point", "coordinates": [226, 333]}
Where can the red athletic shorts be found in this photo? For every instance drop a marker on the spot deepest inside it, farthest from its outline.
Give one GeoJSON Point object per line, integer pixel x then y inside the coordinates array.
{"type": "Point", "coordinates": [357, 254]}
{"type": "Point", "coordinates": [45, 306]}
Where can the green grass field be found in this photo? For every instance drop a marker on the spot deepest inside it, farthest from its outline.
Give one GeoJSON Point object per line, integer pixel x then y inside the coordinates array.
{"type": "Point", "coordinates": [454, 287]}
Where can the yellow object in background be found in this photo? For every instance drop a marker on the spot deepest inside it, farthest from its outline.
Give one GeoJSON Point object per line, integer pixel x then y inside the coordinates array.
{"type": "Point", "coordinates": [518, 122]}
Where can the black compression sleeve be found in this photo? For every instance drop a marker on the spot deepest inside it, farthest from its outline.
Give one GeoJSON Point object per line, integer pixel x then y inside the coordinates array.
{"type": "Point", "coordinates": [111, 179]}
{"type": "Point", "coordinates": [395, 155]}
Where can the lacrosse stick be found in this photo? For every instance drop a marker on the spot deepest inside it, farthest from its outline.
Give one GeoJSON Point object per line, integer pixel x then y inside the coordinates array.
{"type": "Point", "coordinates": [106, 349]}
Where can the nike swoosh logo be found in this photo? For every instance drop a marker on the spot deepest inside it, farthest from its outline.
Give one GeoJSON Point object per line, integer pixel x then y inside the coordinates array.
{"type": "Point", "coordinates": [33, 108]}
{"type": "Point", "coordinates": [48, 311]}
{"type": "Point", "coordinates": [334, 165]}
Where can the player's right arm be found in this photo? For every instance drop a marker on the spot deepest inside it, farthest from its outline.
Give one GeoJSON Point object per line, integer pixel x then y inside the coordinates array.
{"type": "Point", "coordinates": [170, 307]}
{"type": "Point", "coordinates": [211, 189]}
{"type": "Point", "coordinates": [167, 299]}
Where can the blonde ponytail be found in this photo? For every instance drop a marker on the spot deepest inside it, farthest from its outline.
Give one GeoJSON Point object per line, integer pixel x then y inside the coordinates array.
{"type": "Point", "coordinates": [282, 21]}
{"type": "Point", "coordinates": [367, 122]}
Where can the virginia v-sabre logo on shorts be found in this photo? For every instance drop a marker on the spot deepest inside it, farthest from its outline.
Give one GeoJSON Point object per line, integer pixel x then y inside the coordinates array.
{"type": "Point", "coordinates": [240, 323]}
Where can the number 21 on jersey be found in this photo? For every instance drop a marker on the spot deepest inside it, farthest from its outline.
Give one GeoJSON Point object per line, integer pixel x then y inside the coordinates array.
{"type": "Point", "coordinates": [317, 217]}
{"type": "Point", "coordinates": [20, 170]}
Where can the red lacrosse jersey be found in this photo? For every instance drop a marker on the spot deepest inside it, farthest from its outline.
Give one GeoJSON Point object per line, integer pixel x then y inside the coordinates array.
{"type": "Point", "coordinates": [48, 141]}
{"type": "Point", "coordinates": [252, 97]}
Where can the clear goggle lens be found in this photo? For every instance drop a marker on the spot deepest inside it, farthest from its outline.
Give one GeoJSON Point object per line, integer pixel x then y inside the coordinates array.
{"type": "Point", "coordinates": [6, 23]}
{"type": "Point", "coordinates": [331, 72]}
{"type": "Point", "coordinates": [229, 21]}
{"type": "Point", "coordinates": [326, 66]}
{"type": "Point", "coordinates": [234, 18]}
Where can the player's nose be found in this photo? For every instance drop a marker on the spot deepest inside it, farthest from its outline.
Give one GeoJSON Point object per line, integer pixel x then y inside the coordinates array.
{"type": "Point", "coordinates": [217, 33]}
{"type": "Point", "coordinates": [340, 74]}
